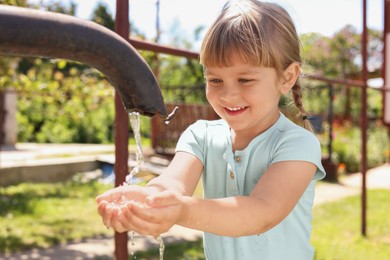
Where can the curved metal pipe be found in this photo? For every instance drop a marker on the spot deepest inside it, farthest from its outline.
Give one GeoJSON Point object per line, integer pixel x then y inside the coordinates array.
{"type": "Point", "coordinates": [34, 33]}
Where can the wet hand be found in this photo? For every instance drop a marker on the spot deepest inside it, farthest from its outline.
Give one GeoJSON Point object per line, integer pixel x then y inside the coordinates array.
{"type": "Point", "coordinates": [156, 216]}
{"type": "Point", "coordinates": [113, 204]}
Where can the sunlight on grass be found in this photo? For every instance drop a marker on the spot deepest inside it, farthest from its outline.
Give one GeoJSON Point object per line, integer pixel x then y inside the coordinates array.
{"type": "Point", "coordinates": [337, 227]}
{"type": "Point", "coordinates": [43, 215]}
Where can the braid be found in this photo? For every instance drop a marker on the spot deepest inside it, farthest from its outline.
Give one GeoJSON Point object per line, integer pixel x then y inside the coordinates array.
{"type": "Point", "coordinates": [297, 98]}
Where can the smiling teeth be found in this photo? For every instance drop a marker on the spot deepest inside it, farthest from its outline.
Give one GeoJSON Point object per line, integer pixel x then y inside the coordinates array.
{"type": "Point", "coordinates": [235, 108]}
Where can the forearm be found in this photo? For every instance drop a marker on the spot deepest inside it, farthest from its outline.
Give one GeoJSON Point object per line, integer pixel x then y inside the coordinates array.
{"type": "Point", "coordinates": [181, 176]}
{"type": "Point", "coordinates": [165, 183]}
{"type": "Point", "coordinates": [233, 216]}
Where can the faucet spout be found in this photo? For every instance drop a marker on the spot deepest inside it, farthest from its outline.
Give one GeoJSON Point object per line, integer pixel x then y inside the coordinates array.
{"type": "Point", "coordinates": [33, 33]}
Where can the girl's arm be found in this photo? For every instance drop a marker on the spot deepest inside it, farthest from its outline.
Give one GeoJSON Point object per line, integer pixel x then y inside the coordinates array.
{"type": "Point", "coordinates": [272, 199]}
{"type": "Point", "coordinates": [180, 177]}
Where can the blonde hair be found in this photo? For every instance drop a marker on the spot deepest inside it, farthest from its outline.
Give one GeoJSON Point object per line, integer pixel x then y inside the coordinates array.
{"type": "Point", "coordinates": [258, 33]}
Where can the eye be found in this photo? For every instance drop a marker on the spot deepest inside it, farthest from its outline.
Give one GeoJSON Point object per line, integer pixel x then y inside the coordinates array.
{"type": "Point", "coordinates": [214, 81]}
{"type": "Point", "coordinates": [244, 80]}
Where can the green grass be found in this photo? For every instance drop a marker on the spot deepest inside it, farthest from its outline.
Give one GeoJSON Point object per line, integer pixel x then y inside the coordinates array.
{"type": "Point", "coordinates": [42, 215]}
{"type": "Point", "coordinates": [189, 250]}
{"type": "Point", "coordinates": [337, 228]}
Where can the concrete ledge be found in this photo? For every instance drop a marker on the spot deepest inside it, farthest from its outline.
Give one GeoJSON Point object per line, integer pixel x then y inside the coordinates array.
{"type": "Point", "coordinates": [50, 170]}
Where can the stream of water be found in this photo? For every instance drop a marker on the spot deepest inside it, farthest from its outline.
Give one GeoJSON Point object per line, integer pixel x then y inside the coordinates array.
{"type": "Point", "coordinates": [135, 123]}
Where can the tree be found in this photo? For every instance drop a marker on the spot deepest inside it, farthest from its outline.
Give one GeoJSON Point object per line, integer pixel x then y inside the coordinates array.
{"type": "Point", "coordinates": [103, 17]}
{"type": "Point", "coordinates": [339, 56]}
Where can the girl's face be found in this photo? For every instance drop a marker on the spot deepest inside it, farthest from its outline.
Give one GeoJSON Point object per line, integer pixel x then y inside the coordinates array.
{"type": "Point", "coordinates": [245, 96]}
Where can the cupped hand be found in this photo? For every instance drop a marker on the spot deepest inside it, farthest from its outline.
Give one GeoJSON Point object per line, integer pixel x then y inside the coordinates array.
{"type": "Point", "coordinates": [156, 216]}
{"type": "Point", "coordinates": [113, 204]}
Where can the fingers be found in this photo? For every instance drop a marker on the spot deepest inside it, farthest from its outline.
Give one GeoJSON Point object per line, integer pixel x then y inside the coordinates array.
{"type": "Point", "coordinates": [125, 216]}
{"type": "Point", "coordinates": [145, 221]}
{"type": "Point", "coordinates": [120, 225]}
{"type": "Point", "coordinates": [115, 216]}
{"type": "Point", "coordinates": [106, 211]}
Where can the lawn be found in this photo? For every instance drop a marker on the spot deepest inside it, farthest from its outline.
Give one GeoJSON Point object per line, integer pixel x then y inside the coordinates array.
{"type": "Point", "coordinates": [42, 215]}
{"type": "Point", "coordinates": [337, 228]}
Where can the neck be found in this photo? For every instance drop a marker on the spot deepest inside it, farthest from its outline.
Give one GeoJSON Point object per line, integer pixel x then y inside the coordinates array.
{"type": "Point", "coordinates": [242, 138]}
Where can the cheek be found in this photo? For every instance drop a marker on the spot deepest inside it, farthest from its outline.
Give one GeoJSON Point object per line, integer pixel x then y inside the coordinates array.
{"type": "Point", "coordinates": [210, 94]}
{"type": "Point", "coordinates": [263, 96]}
{"type": "Point", "coordinates": [212, 98]}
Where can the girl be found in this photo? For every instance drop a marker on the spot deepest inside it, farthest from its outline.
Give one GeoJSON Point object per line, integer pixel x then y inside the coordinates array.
{"type": "Point", "coordinates": [258, 168]}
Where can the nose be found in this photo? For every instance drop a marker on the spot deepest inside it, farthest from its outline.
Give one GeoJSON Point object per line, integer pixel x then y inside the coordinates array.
{"type": "Point", "coordinates": [230, 92]}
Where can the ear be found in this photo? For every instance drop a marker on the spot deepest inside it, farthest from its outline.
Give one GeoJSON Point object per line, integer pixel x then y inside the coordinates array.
{"type": "Point", "coordinates": [290, 76]}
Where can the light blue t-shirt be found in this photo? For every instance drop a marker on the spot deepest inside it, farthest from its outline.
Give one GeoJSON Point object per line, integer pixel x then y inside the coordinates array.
{"type": "Point", "coordinates": [228, 174]}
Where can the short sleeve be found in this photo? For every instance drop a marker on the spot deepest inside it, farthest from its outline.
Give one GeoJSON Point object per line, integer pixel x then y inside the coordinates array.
{"type": "Point", "coordinates": [300, 146]}
{"type": "Point", "coordinates": [192, 140]}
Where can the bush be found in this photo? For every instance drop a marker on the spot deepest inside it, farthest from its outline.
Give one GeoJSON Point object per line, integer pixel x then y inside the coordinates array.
{"type": "Point", "coordinates": [347, 146]}
{"type": "Point", "coordinates": [62, 103]}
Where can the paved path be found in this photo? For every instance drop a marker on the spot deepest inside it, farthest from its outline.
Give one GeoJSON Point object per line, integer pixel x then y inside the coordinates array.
{"type": "Point", "coordinates": [376, 178]}
{"type": "Point", "coordinates": [104, 248]}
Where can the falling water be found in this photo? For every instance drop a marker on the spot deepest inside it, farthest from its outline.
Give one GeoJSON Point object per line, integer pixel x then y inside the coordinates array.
{"type": "Point", "coordinates": [136, 126]}
{"type": "Point", "coordinates": [162, 247]}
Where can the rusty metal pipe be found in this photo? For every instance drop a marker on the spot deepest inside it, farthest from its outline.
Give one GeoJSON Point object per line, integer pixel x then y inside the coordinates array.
{"type": "Point", "coordinates": [33, 33]}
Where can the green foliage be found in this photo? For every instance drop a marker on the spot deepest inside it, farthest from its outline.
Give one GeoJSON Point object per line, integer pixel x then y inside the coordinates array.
{"type": "Point", "coordinates": [8, 71]}
{"type": "Point", "coordinates": [103, 17]}
{"type": "Point", "coordinates": [65, 102]}
{"type": "Point", "coordinates": [58, 103]}
{"type": "Point", "coordinates": [181, 80]}
{"type": "Point", "coordinates": [59, 7]}
{"type": "Point", "coordinates": [22, 3]}
{"type": "Point", "coordinates": [347, 146]}
{"type": "Point", "coordinates": [43, 215]}
{"type": "Point", "coordinates": [339, 57]}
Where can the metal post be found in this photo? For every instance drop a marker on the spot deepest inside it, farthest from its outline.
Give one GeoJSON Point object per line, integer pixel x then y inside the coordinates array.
{"type": "Point", "coordinates": [121, 129]}
{"type": "Point", "coordinates": [2, 115]}
{"type": "Point", "coordinates": [330, 121]}
{"type": "Point", "coordinates": [364, 121]}
{"type": "Point", "coordinates": [386, 64]}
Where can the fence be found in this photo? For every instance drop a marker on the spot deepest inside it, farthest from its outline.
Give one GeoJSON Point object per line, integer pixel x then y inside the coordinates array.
{"type": "Point", "coordinates": [165, 136]}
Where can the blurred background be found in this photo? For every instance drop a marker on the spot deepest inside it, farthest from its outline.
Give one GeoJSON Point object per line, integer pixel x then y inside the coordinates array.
{"type": "Point", "coordinates": [60, 115]}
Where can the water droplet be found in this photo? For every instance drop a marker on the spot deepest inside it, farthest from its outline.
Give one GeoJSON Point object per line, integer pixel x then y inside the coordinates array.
{"type": "Point", "coordinates": [171, 115]}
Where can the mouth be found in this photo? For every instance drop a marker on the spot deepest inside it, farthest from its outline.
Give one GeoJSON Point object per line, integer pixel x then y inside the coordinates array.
{"type": "Point", "coordinates": [235, 110]}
